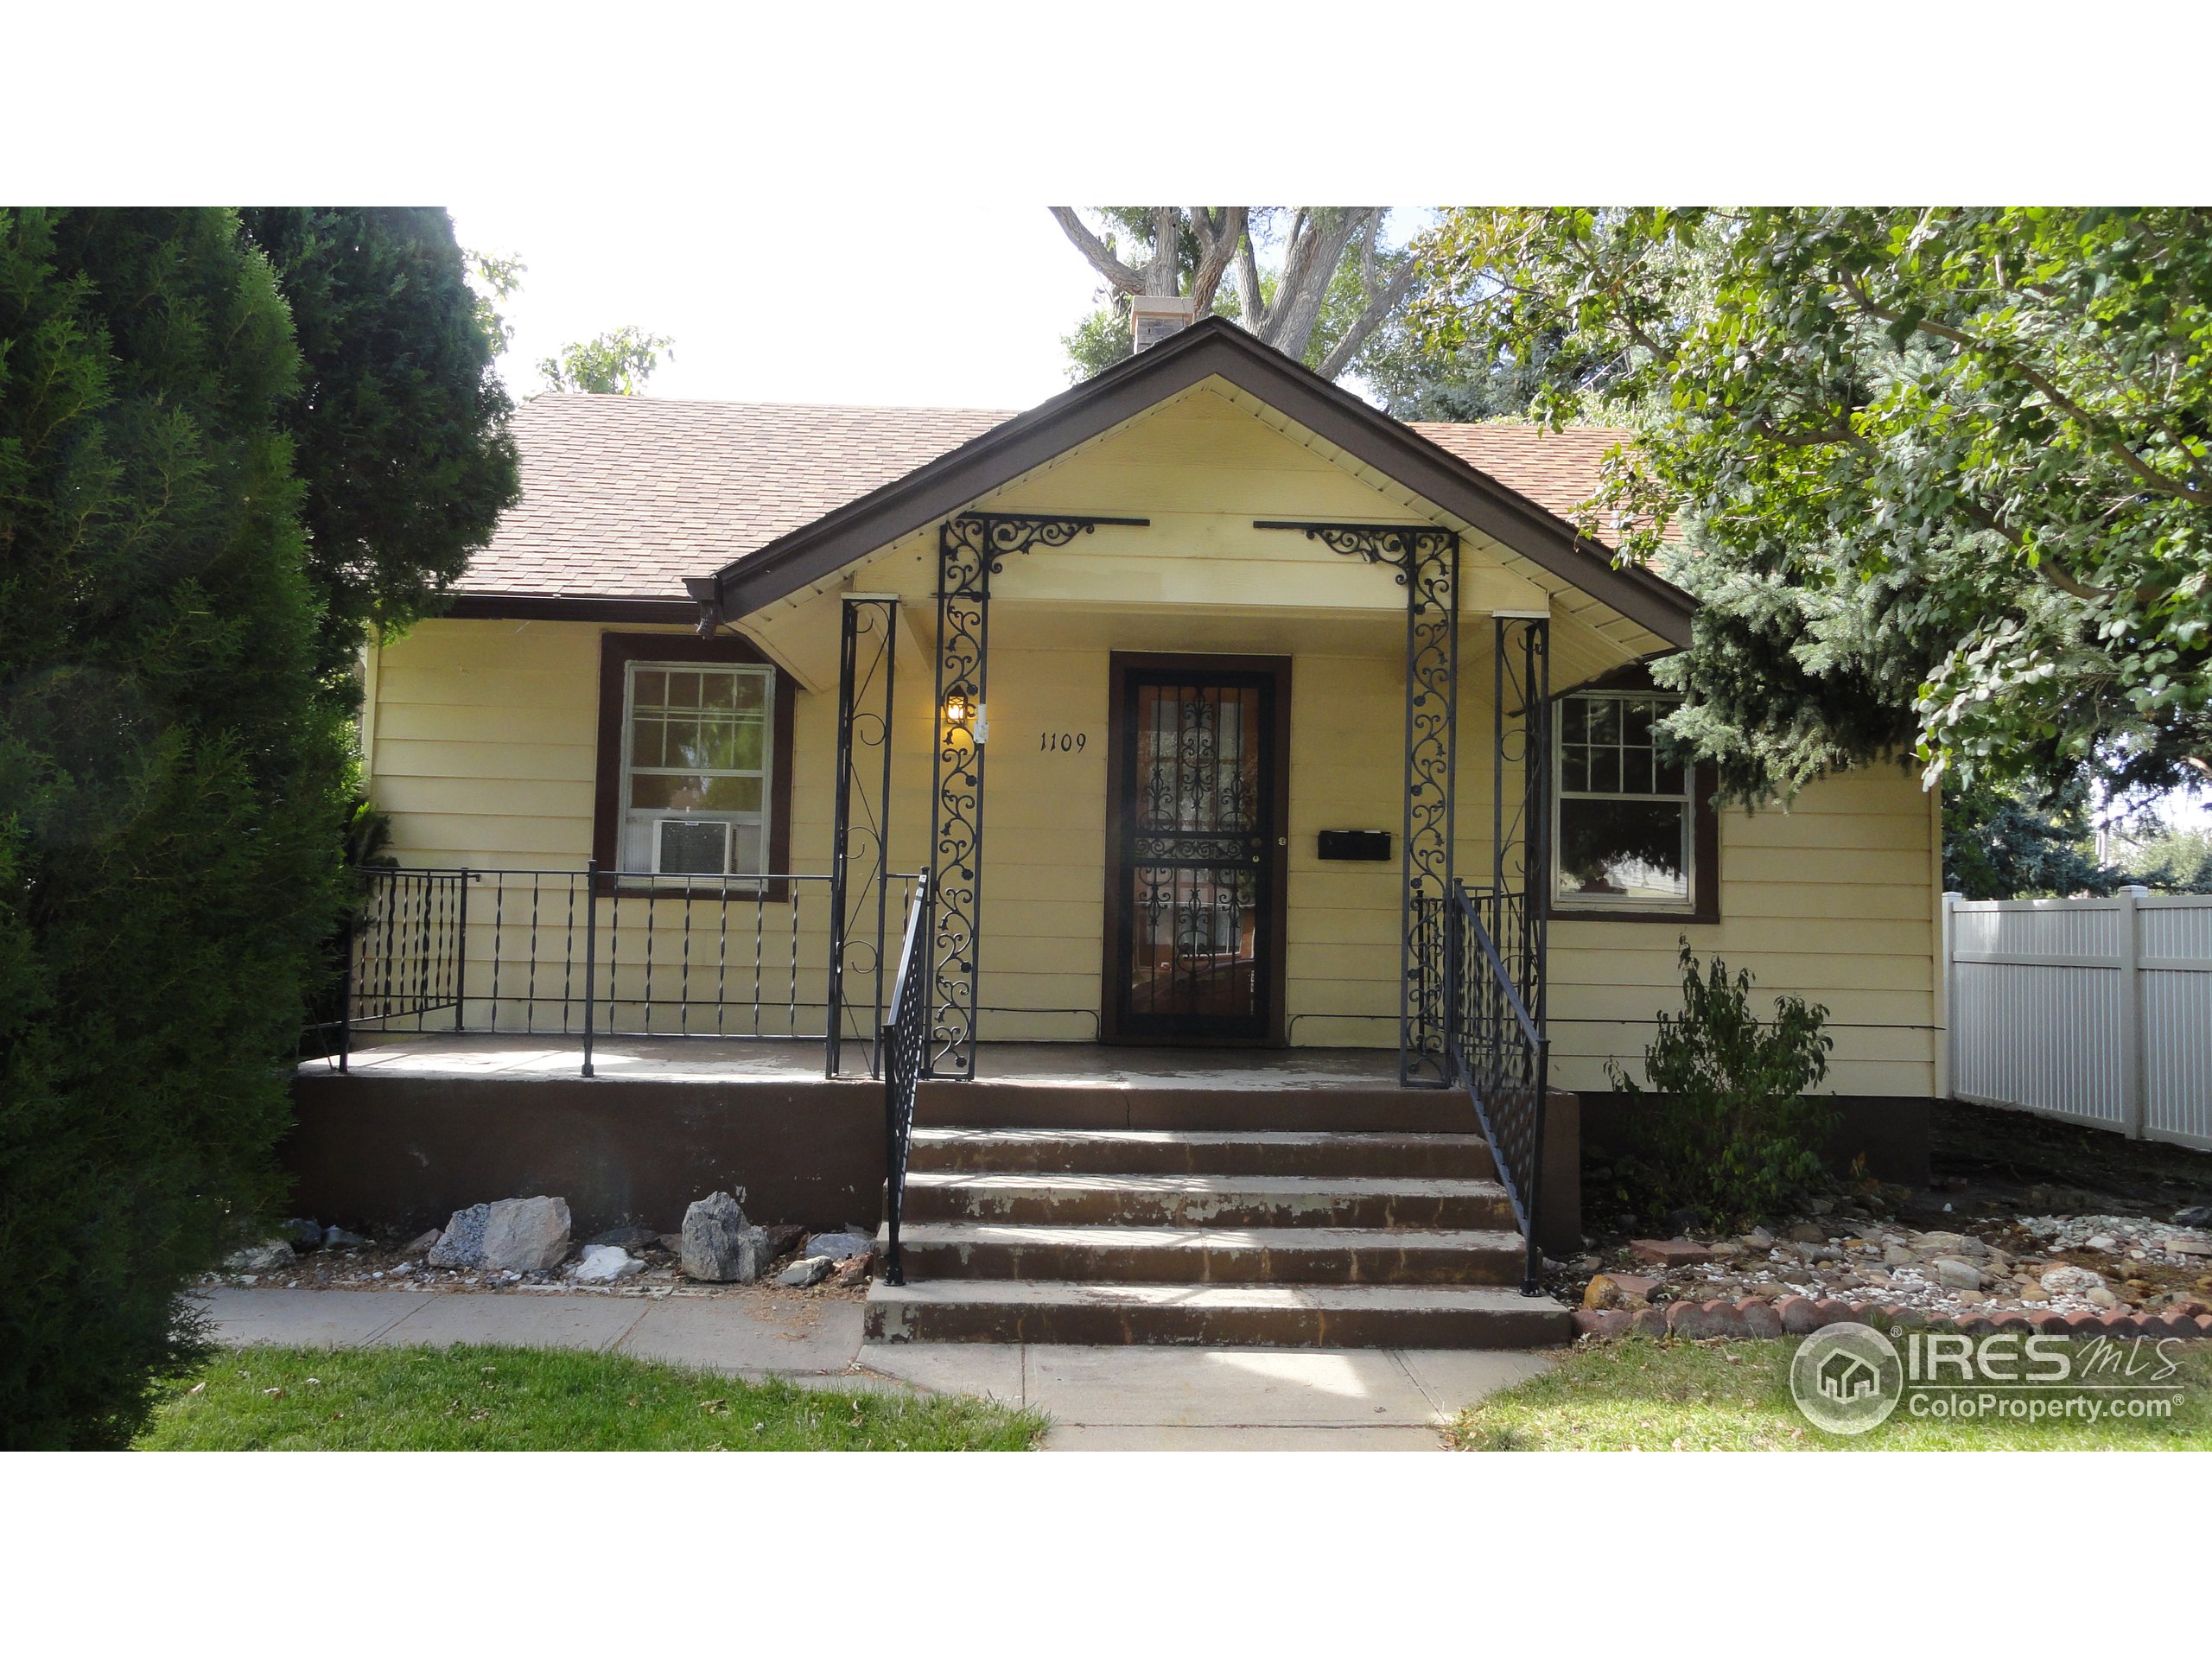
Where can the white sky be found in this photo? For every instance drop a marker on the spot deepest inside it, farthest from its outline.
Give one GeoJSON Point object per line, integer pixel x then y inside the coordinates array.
{"type": "Point", "coordinates": [756, 314]}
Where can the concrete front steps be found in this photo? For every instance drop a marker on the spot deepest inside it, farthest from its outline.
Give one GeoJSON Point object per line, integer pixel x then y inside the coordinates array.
{"type": "Point", "coordinates": [1256, 1316]}
{"type": "Point", "coordinates": [1309, 1237]}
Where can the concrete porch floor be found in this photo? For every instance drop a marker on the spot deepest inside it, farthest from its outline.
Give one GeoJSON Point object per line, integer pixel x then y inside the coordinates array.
{"type": "Point", "coordinates": [713, 1059]}
{"type": "Point", "coordinates": [1100, 1399]}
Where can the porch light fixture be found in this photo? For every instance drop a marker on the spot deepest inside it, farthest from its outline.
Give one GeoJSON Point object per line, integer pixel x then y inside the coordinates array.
{"type": "Point", "coordinates": [959, 708]}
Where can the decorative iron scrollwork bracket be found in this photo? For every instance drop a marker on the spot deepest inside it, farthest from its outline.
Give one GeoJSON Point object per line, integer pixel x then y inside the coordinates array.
{"type": "Point", "coordinates": [1427, 563]}
{"type": "Point", "coordinates": [867, 662]}
{"type": "Point", "coordinates": [972, 547]}
{"type": "Point", "coordinates": [1521, 714]}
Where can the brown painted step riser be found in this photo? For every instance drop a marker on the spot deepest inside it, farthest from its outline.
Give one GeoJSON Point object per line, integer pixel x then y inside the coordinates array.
{"type": "Point", "coordinates": [1229, 1327]}
{"type": "Point", "coordinates": [1043, 1106]}
{"type": "Point", "coordinates": [1137, 1265]}
{"type": "Point", "coordinates": [1398, 1162]}
{"type": "Point", "coordinates": [1079, 1208]}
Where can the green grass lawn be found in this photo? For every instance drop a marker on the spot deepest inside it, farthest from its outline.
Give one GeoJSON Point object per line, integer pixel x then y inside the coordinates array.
{"type": "Point", "coordinates": [1734, 1396]}
{"type": "Point", "coordinates": [470, 1398]}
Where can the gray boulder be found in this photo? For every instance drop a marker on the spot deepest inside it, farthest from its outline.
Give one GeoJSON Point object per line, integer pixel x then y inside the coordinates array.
{"type": "Point", "coordinates": [270, 1256]}
{"type": "Point", "coordinates": [303, 1235]}
{"type": "Point", "coordinates": [526, 1235]}
{"type": "Point", "coordinates": [337, 1238]}
{"type": "Point", "coordinates": [838, 1246]}
{"type": "Point", "coordinates": [1953, 1274]}
{"type": "Point", "coordinates": [719, 1247]}
{"type": "Point", "coordinates": [807, 1270]}
{"type": "Point", "coordinates": [461, 1244]}
{"type": "Point", "coordinates": [2197, 1214]}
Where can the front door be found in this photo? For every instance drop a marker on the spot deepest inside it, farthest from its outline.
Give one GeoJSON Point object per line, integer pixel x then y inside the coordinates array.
{"type": "Point", "coordinates": [1194, 922]}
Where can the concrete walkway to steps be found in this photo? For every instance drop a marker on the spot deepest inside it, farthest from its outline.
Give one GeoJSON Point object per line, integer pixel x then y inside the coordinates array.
{"type": "Point", "coordinates": [1101, 1399]}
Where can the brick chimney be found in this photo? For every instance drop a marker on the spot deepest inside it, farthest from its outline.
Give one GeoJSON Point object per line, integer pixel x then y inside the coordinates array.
{"type": "Point", "coordinates": [1153, 317]}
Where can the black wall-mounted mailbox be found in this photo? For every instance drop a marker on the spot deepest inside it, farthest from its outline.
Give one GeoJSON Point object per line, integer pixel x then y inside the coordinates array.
{"type": "Point", "coordinates": [1360, 846]}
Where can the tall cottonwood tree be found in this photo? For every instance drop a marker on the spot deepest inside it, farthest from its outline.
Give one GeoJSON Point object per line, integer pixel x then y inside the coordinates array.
{"type": "Point", "coordinates": [1946, 472]}
{"type": "Point", "coordinates": [1192, 251]}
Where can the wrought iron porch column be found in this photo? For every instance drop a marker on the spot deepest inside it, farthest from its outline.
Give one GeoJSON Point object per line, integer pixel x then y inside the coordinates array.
{"type": "Point", "coordinates": [867, 657]}
{"type": "Point", "coordinates": [1427, 563]}
{"type": "Point", "coordinates": [972, 549]}
{"type": "Point", "coordinates": [1521, 854]}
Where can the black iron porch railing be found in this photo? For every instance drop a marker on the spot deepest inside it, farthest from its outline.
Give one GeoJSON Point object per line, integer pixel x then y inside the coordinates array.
{"type": "Point", "coordinates": [586, 954]}
{"type": "Point", "coordinates": [1498, 1052]}
{"type": "Point", "coordinates": [904, 1043]}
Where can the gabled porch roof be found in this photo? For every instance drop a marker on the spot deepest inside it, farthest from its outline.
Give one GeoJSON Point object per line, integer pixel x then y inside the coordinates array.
{"type": "Point", "coordinates": [1212, 349]}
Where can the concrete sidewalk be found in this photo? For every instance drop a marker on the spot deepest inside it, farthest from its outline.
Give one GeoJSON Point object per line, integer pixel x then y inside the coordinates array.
{"type": "Point", "coordinates": [1101, 1399]}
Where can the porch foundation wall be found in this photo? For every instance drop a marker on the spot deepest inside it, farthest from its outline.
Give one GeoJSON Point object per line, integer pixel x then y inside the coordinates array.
{"type": "Point", "coordinates": [406, 1153]}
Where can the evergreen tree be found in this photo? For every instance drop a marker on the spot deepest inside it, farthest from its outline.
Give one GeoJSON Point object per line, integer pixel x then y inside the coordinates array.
{"type": "Point", "coordinates": [169, 785]}
{"type": "Point", "coordinates": [398, 424]}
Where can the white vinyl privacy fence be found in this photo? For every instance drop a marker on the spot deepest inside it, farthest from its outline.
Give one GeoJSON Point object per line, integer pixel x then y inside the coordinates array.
{"type": "Point", "coordinates": [2097, 1011]}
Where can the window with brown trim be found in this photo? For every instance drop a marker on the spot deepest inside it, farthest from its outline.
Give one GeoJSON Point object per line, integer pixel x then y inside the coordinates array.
{"type": "Point", "coordinates": [695, 762]}
{"type": "Point", "coordinates": [1633, 839]}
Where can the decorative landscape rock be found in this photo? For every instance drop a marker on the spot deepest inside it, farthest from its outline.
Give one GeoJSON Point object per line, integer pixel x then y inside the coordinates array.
{"type": "Point", "coordinates": [2197, 1214]}
{"type": "Point", "coordinates": [462, 1243]}
{"type": "Point", "coordinates": [1955, 1274]}
{"type": "Point", "coordinates": [838, 1246]}
{"type": "Point", "coordinates": [525, 1235]}
{"type": "Point", "coordinates": [607, 1264]}
{"type": "Point", "coordinates": [2069, 1279]}
{"type": "Point", "coordinates": [337, 1238]}
{"type": "Point", "coordinates": [303, 1235]}
{"type": "Point", "coordinates": [719, 1245]}
{"type": "Point", "coordinates": [1670, 1252]}
{"type": "Point", "coordinates": [268, 1256]}
{"type": "Point", "coordinates": [1623, 1290]}
{"type": "Point", "coordinates": [420, 1243]}
{"type": "Point", "coordinates": [807, 1270]}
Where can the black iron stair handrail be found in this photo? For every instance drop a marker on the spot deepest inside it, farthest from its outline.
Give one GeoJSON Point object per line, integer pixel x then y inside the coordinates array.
{"type": "Point", "coordinates": [1502, 1058]}
{"type": "Point", "coordinates": [904, 1040]}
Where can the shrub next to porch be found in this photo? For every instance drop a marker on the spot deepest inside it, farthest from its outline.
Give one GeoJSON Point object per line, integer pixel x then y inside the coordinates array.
{"type": "Point", "coordinates": [168, 797]}
{"type": "Point", "coordinates": [1734, 1127]}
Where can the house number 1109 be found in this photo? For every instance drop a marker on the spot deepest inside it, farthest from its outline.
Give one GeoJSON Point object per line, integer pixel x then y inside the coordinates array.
{"type": "Point", "coordinates": [1060, 742]}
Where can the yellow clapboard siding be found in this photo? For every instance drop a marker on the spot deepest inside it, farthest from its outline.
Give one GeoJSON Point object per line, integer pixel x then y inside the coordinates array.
{"type": "Point", "coordinates": [489, 687]}
{"type": "Point", "coordinates": [1898, 866]}
{"type": "Point", "coordinates": [1846, 1004]}
{"type": "Point", "coordinates": [511, 797]}
{"type": "Point", "coordinates": [512, 728]}
{"type": "Point", "coordinates": [485, 839]}
{"type": "Point", "coordinates": [1807, 974]}
{"type": "Point", "coordinates": [488, 762]}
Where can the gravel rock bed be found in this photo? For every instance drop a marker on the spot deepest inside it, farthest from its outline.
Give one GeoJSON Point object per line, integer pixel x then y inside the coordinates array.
{"type": "Point", "coordinates": [375, 1266]}
{"type": "Point", "coordinates": [2092, 1264]}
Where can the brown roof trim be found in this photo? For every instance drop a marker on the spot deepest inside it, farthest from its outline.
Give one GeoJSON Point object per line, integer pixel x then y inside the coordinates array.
{"type": "Point", "coordinates": [557, 607]}
{"type": "Point", "coordinates": [1212, 346]}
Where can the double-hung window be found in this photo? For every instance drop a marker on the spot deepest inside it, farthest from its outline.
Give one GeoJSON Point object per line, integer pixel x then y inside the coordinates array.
{"type": "Point", "coordinates": [698, 761]}
{"type": "Point", "coordinates": [1625, 824]}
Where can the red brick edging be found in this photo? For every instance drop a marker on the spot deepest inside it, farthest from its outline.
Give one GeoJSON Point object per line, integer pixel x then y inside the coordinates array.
{"type": "Point", "coordinates": [1799, 1316]}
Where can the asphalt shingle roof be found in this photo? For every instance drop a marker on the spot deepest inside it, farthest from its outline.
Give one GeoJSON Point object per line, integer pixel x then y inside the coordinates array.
{"type": "Point", "coordinates": [624, 497]}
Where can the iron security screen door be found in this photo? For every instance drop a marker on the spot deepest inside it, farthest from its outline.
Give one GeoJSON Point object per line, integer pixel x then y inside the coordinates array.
{"type": "Point", "coordinates": [1195, 947]}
